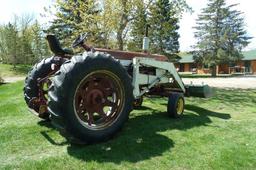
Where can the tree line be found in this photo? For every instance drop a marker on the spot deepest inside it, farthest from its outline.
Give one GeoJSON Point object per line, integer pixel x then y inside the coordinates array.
{"type": "Point", "coordinates": [22, 41]}
{"type": "Point", "coordinates": [121, 24]}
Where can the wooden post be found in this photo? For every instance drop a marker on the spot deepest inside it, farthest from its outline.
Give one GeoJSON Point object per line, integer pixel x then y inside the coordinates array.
{"type": "Point", "coordinates": [217, 70]}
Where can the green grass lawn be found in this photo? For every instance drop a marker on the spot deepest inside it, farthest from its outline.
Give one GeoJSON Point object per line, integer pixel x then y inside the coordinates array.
{"type": "Point", "coordinates": [7, 70]}
{"type": "Point", "coordinates": [216, 133]}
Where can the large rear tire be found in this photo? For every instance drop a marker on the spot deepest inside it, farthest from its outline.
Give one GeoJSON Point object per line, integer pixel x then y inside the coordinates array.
{"type": "Point", "coordinates": [93, 96]}
{"type": "Point", "coordinates": [31, 89]}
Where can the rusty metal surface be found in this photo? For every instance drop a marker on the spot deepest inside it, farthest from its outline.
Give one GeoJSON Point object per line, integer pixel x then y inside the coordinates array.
{"type": "Point", "coordinates": [98, 100]}
{"type": "Point", "coordinates": [128, 55]}
{"type": "Point", "coordinates": [39, 104]}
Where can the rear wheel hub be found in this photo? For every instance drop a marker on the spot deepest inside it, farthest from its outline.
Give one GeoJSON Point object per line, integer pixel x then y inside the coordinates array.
{"type": "Point", "coordinates": [98, 100]}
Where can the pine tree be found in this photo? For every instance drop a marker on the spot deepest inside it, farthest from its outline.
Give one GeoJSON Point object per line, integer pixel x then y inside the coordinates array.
{"type": "Point", "coordinates": [164, 28]}
{"type": "Point", "coordinates": [74, 17]}
{"type": "Point", "coordinates": [235, 35]}
{"type": "Point", "coordinates": [118, 19]}
{"type": "Point", "coordinates": [138, 28]}
{"type": "Point", "coordinates": [220, 34]}
{"type": "Point", "coordinates": [39, 44]}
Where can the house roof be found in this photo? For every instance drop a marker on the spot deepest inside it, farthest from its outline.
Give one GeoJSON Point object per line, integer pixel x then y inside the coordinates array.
{"type": "Point", "coordinates": [188, 58]}
{"type": "Point", "coordinates": [249, 55]}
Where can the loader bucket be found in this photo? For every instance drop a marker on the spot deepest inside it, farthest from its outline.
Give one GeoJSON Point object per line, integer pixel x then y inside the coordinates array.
{"type": "Point", "coordinates": [201, 91]}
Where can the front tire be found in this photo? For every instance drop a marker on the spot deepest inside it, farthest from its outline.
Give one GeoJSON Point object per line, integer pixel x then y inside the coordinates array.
{"type": "Point", "coordinates": [176, 104]}
{"type": "Point", "coordinates": [93, 95]}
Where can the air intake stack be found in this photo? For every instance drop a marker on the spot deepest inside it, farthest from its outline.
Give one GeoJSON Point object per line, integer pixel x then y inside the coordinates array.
{"type": "Point", "coordinates": [146, 41]}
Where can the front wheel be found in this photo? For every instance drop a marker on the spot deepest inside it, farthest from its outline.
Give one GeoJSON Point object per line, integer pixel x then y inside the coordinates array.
{"type": "Point", "coordinates": [94, 97]}
{"type": "Point", "coordinates": [176, 104]}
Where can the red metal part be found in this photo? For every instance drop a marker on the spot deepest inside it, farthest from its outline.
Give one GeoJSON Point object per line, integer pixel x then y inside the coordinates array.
{"type": "Point", "coordinates": [97, 100]}
{"type": "Point", "coordinates": [126, 55]}
{"type": "Point", "coordinates": [39, 104]}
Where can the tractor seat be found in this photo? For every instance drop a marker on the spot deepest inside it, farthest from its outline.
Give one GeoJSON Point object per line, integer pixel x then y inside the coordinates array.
{"type": "Point", "coordinates": [55, 46]}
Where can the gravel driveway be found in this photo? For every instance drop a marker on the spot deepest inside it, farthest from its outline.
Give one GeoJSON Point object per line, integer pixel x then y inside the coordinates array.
{"type": "Point", "coordinates": [13, 79]}
{"type": "Point", "coordinates": [231, 82]}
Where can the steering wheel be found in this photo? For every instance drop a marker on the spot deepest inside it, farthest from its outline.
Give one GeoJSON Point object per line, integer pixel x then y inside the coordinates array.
{"type": "Point", "coordinates": [79, 40]}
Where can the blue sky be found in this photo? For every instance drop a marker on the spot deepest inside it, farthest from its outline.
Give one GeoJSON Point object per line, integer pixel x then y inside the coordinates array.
{"type": "Point", "coordinates": [10, 7]}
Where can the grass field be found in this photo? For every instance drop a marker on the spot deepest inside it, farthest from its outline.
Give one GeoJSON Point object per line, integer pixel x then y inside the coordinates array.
{"type": "Point", "coordinates": [7, 70]}
{"type": "Point", "coordinates": [216, 133]}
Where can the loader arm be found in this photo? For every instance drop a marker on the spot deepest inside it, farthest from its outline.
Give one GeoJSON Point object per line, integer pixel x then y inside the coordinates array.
{"type": "Point", "coordinates": [164, 71]}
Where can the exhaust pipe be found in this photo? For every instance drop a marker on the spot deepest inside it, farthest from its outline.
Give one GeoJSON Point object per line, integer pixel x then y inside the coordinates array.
{"type": "Point", "coordinates": [146, 41]}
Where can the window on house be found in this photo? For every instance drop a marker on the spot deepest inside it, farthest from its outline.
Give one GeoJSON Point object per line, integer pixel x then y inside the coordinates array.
{"type": "Point", "coordinates": [181, 69]}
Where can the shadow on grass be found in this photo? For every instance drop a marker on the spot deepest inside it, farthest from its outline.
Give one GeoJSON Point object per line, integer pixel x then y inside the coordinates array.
{"type": "Point", "coordinates": [46, 135]}
{"type": "Point", "coordinates": [202, 112]}
{"type": "Point", "coordinates": [21, 69]}
{"type": "Point", "coordinates": [236, 97]}
{"type": "Point", "coordinates": [3, 83]}
{"type": "Point", "coordinates": [143, 108]}
{"type": "Point", "coordinates": [141, 138]}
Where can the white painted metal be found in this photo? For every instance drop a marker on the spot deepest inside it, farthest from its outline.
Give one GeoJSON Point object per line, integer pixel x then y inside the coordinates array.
{"type": "Point", "coordinates": [154, 82]}
{"type": "Point", "coordinates": [126, 63]}
{"type": "Point", "coordinates": [164, 71]}
{"type": "Point", "coordinates": [145, 44]}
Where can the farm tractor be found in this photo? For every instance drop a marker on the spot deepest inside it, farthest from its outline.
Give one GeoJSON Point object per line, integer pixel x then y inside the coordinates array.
{"type": "Point", "coordinates": [88, 96]}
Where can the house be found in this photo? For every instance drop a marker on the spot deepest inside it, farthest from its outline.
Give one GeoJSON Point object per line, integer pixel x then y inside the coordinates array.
{"type": "Point", "coordinates": [245, 66]}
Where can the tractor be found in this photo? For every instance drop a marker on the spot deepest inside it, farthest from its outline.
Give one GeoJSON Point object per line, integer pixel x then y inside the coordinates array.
{"type": "Point", "coordinates": [88, 96]}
